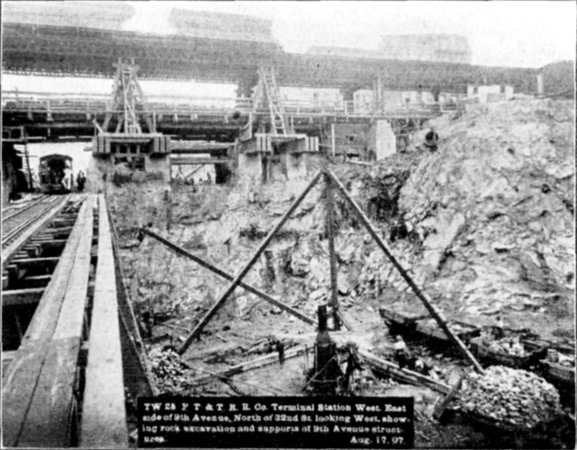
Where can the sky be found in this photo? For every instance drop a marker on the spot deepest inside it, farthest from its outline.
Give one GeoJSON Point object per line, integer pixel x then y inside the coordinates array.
{"type": "Point", "coordinates": [508, 33]}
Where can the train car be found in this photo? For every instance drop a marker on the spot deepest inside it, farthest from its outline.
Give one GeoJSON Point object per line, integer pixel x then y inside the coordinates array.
{"type": "Point", "coordinates": [53, 169]}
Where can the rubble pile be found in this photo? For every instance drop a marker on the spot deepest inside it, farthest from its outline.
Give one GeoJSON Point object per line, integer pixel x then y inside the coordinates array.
{"type": "Point", "coordinates": [509, 396]}
{"type": "Point", "coordinates": [169, 372]}
{"type": "Point", "coordinates": [508, 346]}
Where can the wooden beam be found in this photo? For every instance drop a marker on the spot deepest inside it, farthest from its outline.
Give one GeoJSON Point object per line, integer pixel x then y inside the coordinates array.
{"type": "Point", "coordinates": [18, 297]}
{"type": "Point", "coordinates": [61, 222]}
{"type": "Point", "coordinates": [222, 273]}
{"type": "Point", "coordinates": [104, 413]}
{"type": "Point", "coordinates": [7, 358]}
{"type": "Point", "coordinates": [442, 407]}
{"type": "Point", "coordinates": [433, 310]}
{"type": "Point", "coordinates": [404, 375]}
{"type": "Point", "coordinates": [332, 257]}
{"type": "Point", "coordinates": [333, 142]}
{"type": "Point", "coordinates": [37, 281]}
{"type": "Point", "coordinates": [19, 269]}
{"type": "Point", "coordinates": [22, 375]}
{"type": "Point", "coordinates": [26, 263]}
{"type": "Point", "coordinates": [248, 266]}
{"type": "Point", "coordinates": [201, 149]}
{"type": "Point", "coordinates": [49, 419]}
{"type": "Point", "coordinates": [137, 373]}
{"type": "Point", "coordinates": [47, 242]}
{"type": "Point", "coordinates": [55, 230]}
{"type": "Point", "coordinates": [257, 363]}
{"type": "Point", "coordinates": [195, 161]}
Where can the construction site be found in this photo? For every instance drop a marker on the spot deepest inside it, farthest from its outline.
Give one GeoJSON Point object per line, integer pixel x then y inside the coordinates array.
{"type": "Point", "coordinates": [395, 223]}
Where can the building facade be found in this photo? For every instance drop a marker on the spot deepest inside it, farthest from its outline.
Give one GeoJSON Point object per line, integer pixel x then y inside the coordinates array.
{"type": "Point", "coordinates": [447, 48]}
{"type": "Point", "coordinates": [487, 94]}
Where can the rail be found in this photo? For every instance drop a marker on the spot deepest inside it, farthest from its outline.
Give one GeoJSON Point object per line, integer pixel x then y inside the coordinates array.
{"type": "Point", "coordinates": [169, 105]}
{"type": "Point", "coordinates": [7, 215]}
{"type": "Point", "coordinates": [17, 230]}
{"type": "Point", "coordinates": [39, 400]}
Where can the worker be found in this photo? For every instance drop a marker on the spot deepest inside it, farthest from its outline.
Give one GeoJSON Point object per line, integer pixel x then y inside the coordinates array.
{"type": "Point", "coordinates": [401, 352]}
{"type": "Point", "coordinates": [67, 177]}
{"type": "Point", "coordinates": [353, 364]}
{"type": "Point", "coordinates": [35, 183]}
{"type": "Point", "coordinates": [498, 330]}
{"type": "Point", "coordinates": [80, 180]}
{"type": "Point", "coordinates": [431, 140]}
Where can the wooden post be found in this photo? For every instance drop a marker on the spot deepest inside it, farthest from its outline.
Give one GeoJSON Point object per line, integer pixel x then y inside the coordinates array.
{"type": "Point", "coordinates": [168, 201]}
{"type": "Point", "coordinates": [433, 310]}
{"type": "Point", "coordinates": [30, 180]}
{"type": "Point", "coordinates": [197, 330]}
{"type": "Point", "coordinates": [226, 275]}
{"type": "Point", "coordinates": [333, 143]}
{"type": "Point", "coordinates": [331, 237]}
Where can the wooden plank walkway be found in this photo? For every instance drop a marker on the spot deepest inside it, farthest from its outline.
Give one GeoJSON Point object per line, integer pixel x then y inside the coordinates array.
{"type": "Point", "coordinates": [53, 404]}
{"type": "Point", "coordinates": [39, 382]}
{"type": "Point", "coordinates": [104, 411]}
{"type": "Point", "coordinates": [43, 403]}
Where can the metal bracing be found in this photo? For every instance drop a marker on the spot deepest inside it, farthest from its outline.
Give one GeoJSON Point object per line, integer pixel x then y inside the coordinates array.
{"type": "Point", "coordinates": [127, 101]}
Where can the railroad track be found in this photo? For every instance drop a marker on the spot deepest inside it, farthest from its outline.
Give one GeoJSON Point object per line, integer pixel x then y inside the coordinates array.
{"type": "Point", "coordinates": [20, 226]}
{"type": "Point", "coordinates": [64, 346]}
{"type": "Point", "coordinates": [13, 211]}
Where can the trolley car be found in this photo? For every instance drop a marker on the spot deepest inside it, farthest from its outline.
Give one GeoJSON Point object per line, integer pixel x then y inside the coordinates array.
{"type": "Point", "coordinates": [53, 170]}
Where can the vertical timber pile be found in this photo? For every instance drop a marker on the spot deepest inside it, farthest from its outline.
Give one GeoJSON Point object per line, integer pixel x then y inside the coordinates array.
{"type": "Point", "coordinates": [331, 238]}
{"type": "Point", "coordinates": [433, 310]}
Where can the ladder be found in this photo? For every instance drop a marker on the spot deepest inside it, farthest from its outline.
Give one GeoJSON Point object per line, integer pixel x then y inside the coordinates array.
{"type": "Point", "coordinates": [267, 95]}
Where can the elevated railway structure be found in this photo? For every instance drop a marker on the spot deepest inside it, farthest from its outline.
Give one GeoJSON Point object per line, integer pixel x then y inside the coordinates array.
{"type": "Point", "coordinates": [84, 40]}
{"type": "Point", "coordinates": [64, 40]}
{"type": "Point", "coordinates": [40, 115]}
{"type": "Point", "coordinates": [77, 51]}
{"type": "Point", "coordinates": [69, 336]}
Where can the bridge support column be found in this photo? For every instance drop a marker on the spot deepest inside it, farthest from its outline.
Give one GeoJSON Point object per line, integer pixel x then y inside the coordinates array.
{"type": "Point", "coordinates": [138, 152]}
{"type": "Point", "coordinates": [385, 141]}
{"type": "Point", "coordinates": [267, 158]}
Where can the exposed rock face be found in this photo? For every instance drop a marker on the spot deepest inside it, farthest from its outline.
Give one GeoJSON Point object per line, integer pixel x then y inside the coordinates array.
{"type": "Point", "coordinates": [484, 224]}
{"type": "Point", "coordinates": [494, 207]}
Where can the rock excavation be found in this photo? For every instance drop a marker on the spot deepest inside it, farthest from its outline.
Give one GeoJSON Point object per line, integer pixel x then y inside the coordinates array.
{"type": "Point", "coordinates": [467, 224]}
{"type": "Point", "coordinates": [209, 239]}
